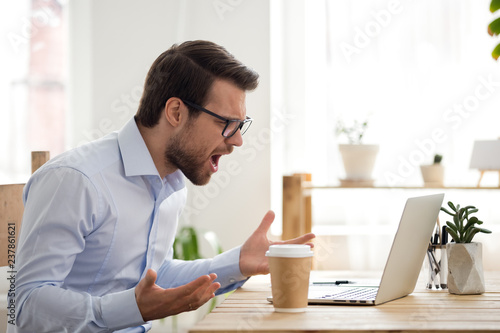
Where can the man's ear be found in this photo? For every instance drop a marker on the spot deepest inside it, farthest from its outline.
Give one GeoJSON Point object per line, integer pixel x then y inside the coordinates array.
{"type": "Point", "coordinates": [175, 112]}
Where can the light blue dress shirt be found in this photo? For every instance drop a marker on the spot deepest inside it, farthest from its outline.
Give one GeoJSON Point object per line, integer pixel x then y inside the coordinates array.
{"type": "Point", "coordinates": [96, 219]}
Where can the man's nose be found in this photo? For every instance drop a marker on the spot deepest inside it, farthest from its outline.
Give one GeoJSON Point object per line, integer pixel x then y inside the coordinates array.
{"type": "Point", "coordinates": [236, 139]}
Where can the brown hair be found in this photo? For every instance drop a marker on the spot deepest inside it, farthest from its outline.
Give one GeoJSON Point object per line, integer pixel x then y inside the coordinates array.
{"type": "Point", "coordinates": [187, 71]}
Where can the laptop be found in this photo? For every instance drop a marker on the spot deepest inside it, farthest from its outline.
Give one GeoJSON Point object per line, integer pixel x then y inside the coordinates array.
{"type": "Point", "coordinates": [403, 264]}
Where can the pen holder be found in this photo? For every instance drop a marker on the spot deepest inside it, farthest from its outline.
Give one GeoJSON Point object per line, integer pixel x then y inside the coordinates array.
{"type": "Point", "coordinates": [436, 267]}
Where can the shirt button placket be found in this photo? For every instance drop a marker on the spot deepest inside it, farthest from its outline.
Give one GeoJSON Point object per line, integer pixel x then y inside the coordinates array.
{"type": "Point", "coordinates": [158, 191]}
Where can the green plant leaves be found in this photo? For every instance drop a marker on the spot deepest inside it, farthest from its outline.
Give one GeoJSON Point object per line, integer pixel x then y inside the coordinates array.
{"type": "Point", "coordinates": [496, 52]}
{"type": "Point", "coordinates": [186, 243]}
{"type": "Point", "coordinates": [453, 234]}
{"type": "Point", "coordinates": [452, 226]}
{"type": "Point", "coordinates": [494, 27]}
{"type": "Point", "coordinates": [446, 211]}
{"type": "Point", "coordinates": [463, 228]}
{"type": "Point", "coordinates": [354, 132]}
{"type": "Point", "coordinates": [494, 5]}
{"type": "Point", "coordinates": [485, 231]}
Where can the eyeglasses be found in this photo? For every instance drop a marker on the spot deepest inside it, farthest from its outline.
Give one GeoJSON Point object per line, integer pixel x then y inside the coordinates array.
{"type": "Point", "coordinates": [232, 125]}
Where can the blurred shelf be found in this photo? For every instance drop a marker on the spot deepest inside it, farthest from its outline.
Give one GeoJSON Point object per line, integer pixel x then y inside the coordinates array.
{"type": "Point", "coordinates": [310, 186]}
{"type": "Point", "coordinates": [297, 203]}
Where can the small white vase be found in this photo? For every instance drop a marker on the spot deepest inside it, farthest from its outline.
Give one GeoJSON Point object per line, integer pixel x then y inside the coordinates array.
{"type": "Point", "coordinates": [359, 161]}
{"type": "Point", "coordinates": [465, 268]}
{"type": "Point", "coordinates": [433, 175]}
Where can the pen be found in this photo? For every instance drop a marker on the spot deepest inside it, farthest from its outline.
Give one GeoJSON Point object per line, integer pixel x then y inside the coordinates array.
{"type": "Point", "coordinates": [436, 240]}
{"type": "Point", "coordinates": [336, 282]}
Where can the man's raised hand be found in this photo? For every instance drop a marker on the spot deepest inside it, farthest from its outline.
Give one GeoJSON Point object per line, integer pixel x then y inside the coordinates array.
{"type": "Point", "coordinates": [253, 259]}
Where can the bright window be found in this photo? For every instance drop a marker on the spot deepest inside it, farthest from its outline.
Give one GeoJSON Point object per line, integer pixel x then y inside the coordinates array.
{"type": "Point", "coordinates": [421, 72]}
{"type": "Point", "coordinates": [32, 84]}
{"type": "Point", "coordinates": [417, 70]}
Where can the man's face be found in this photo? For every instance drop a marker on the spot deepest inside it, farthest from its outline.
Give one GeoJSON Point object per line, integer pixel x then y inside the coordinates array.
{"type": "Point", "coordinates": [197, 148]}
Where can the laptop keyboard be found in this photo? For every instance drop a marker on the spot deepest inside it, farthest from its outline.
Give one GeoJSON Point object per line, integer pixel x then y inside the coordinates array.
{"type": "Point", "coordinates": [352, 294]}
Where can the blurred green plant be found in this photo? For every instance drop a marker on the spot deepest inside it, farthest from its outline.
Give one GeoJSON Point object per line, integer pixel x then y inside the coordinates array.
{"type": "Point", "coordinates": [186, 245]}
{"type": "Point", "coordinates": [354, 131]}
{"type": "Point", "coordinates": [494, 27]}
{"type": "Point", "coordinates": [438, 158]}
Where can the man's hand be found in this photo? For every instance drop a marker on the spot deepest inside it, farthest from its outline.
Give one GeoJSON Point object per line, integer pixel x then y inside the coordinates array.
{"type": "Point", "coordinates": [155, 302]}
{"type": "Point", "coordinates": [253, 259]}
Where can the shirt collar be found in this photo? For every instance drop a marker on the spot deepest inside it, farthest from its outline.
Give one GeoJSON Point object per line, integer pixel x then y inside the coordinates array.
{"type": "Point", "coordinates": [137, 160]}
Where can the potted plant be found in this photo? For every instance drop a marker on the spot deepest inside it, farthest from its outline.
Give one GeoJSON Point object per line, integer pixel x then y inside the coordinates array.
{"type": "Point", "coordinates": [465, 258]}
{"type": "Point", "coordinates": [433, 174]}
{"type": "Point", "coordinates": [358, 158]}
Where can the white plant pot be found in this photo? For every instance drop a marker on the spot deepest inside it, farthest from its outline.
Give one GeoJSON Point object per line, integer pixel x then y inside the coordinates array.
{"type": "Point", "coordinates": [359, 161]}
{"type": "Point", "coordinates": [433, 175]}
{"type": "Point", "coordinates": [465, 268]}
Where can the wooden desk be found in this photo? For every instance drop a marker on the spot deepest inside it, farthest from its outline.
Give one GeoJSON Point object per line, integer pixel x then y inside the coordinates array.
{"type": "Point", "coordinates": [422, 311]}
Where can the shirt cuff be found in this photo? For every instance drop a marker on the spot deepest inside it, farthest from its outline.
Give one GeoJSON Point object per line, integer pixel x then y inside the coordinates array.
{"type": "Point", "coordinates": [120, 310]}
{"type": "Point", "coordinates": [227, 267]}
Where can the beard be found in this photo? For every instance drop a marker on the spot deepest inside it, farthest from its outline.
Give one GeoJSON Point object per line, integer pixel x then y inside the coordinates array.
{"type": "Point", "coordinates": [187, 159]}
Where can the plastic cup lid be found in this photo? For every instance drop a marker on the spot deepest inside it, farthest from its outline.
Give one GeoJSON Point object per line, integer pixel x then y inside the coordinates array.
{"type": "Point", "coordinates": [290, 251]}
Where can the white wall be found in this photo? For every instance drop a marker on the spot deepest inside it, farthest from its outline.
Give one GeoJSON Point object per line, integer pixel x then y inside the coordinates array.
{"type": "Point", "coordinates": [112, 45]}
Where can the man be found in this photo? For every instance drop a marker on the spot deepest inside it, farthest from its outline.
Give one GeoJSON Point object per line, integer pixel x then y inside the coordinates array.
{"type": "Point", "coordinates": [95, 250]}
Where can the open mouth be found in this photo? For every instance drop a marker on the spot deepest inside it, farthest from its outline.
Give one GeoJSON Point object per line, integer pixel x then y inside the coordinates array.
{"type": "Point", "coordinates": [214, 161]}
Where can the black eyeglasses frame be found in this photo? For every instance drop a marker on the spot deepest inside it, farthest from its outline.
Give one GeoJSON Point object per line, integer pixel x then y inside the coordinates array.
{"type": "Point", "coordinates": [228, 121]}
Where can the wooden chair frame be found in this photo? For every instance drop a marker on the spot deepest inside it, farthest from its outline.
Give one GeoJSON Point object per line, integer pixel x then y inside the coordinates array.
{"type": "Point", "coordinates": [11, 211]}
